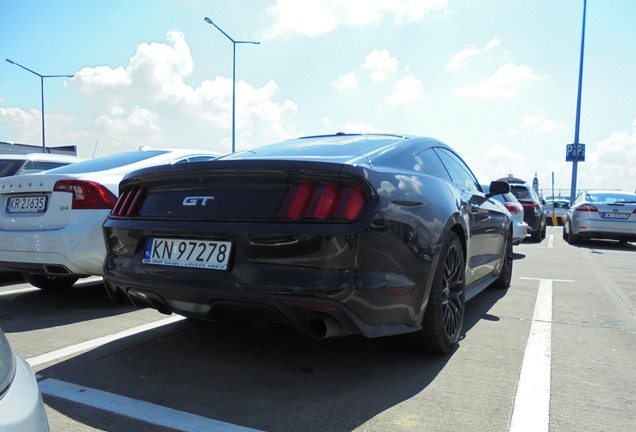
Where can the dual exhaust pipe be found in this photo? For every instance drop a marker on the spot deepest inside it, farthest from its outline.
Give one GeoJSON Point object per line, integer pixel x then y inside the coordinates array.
{"type": "Point", "coordinates": [319, 325]}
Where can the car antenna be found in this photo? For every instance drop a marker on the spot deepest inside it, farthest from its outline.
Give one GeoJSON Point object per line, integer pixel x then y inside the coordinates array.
{"type": "Point", "coordinates": [95, 148]}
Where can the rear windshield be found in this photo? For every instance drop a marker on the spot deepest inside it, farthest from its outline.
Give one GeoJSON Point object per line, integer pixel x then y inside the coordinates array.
{"type": "Point", "coordinates": [9, 167]}
{"type": "Point", "coordinates": [521, 192]}
{"type": "Point", "coordinates": [611, 198]}
{"type": "Point", "coordinates": [107, 162]}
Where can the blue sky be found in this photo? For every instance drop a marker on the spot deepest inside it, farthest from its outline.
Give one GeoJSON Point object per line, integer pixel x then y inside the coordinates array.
{"type": "Point", "coordinates": [495, 79]}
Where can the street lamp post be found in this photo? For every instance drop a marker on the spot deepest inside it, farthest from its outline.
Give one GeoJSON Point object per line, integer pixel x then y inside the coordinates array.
{"type": "Point", "coordinates": [578, 110]}
{"type": "Point", "coordinates": [41, 93]}
{"type": "Point", "coordinates": [234, 42]}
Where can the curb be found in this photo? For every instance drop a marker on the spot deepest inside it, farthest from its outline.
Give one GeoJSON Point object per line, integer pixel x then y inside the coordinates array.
{"type": "Point", "coordinates": [554, 220]}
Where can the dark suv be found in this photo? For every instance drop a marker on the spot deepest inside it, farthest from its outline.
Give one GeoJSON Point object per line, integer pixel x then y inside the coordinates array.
{"type": "Point", "coordinates": [533, 213]}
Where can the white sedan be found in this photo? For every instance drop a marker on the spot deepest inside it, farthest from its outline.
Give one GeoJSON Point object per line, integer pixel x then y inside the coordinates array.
{"type": "Point", "coordinates": [520, 229]}
{"type": "Point", "coordinates": [51, 224]}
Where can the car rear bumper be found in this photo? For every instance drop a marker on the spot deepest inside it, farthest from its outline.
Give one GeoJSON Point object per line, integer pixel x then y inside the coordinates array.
{"type": "Point", "coordinates": [519, 232]}
{"type": "Point", "coordinates": [346, 280]}
{"type": "Point", "coordinates": [21, 407]}
{"type": "Point", "coordinates": [80, 250]}
{"type": "Point", "coordinates": [605, 229]}
{"type": "Point", "coordinates": [301, 297]}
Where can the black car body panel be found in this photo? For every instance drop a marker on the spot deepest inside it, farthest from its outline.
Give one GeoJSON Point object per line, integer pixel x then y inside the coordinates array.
{"type": "Point", "coordinates": [368, 272]}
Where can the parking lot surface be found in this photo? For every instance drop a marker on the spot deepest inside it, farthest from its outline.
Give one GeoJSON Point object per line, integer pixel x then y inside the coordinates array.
{"type": "Point", "coordinates": [555, 352]}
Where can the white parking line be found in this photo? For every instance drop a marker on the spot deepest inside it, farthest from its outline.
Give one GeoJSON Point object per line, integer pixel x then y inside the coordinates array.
{"type": "Point", "coordinates": [551, 241]}
{"type": "Point", "coordinates": [531, 410]}
{"type": "Point", "coordinates": [18, 291]}
{"type": "Point", "coordinates": [136, 409]}
{"type": "Point", "coordinates": [94, 343]}
{"type": "Point", "coordinates": [88, 280]}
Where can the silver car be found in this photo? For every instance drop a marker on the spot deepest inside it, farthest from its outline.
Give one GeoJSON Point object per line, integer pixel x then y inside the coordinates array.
{"type": "Point", "coordinates": [556, 207]}
{"type": "Point", "coordinates": [21, 407]}
{"type": "Point", "coordinates": [601, 215]}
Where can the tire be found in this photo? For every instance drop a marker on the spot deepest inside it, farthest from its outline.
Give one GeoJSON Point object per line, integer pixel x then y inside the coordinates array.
{"type": "Point", "coordinates": [535, 236]}
{"type": "Point", "coordinates": [444, 315]}
{"type": "Point", "coordinates": [505, 276]}
{"type": "Point", "coordinates": [47, 282]}
{"type": "Point", "coordinates": [544, 230]}
{"type": "Point", "coordinates": [569, 236]}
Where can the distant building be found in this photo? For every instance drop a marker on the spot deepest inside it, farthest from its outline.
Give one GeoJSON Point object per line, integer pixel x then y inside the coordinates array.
{"type": "Point", "coordinates": [11, 148]}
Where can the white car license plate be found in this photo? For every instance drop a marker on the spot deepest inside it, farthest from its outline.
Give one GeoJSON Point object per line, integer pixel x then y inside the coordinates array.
{"type": "Point", "coordinates": [606, 215]}
{"type": "Point", "coordinates": [207, 254]}
{"type": "Point", "coordinates": [26, 204]}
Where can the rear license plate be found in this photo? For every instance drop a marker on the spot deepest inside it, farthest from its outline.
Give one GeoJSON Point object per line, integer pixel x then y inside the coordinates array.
{"type": "Point", "coordinates": [26, 204]}
{"type": "Point", "coordinates": [207, 254]}
{"type": "Point", "coordinates": [606, 215]}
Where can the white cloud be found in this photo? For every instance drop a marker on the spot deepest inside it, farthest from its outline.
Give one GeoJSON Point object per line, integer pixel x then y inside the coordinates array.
{"type": "Point", "coordinates": [611, 163]}
{"type": "Point", "coordinates": [498, 161]}
{"type": "Point", "coordinates": [502, 84]}
{"type": "Point", "coordinates": [542, 124]}
{"type": "Point", "coordinates": [148, 102]}
{"type": "Point", "coordinates": [25, 126]}
{"type": "Point", "coordinates": [492, 43]}
{"type": "Point", "coordinates": [462, 58]}
{"type": "Point", "coordinates": [347, 81]}
{"type": "Point", "coordinates": [360, 127]}
{"type": "Point", "coordinates": [408, 89]}
{"type": "Point", "coordinates": [380, 64]}
{"type": "Point", "coordinates": [316, 17]}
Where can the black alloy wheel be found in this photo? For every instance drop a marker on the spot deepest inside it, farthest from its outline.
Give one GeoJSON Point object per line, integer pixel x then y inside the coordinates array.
{"type": "Point", "coordinates": [48, 282]}
{"type": "Point", "coordinates": [444, 314]}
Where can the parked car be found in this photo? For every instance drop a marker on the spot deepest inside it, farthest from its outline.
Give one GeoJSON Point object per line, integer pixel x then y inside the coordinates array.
{"type": "Point", "coordinates": [601, 215]}
{"type": "Point", "coordinates": [342, 234]}
{"type": "Point", "coordinates": [21, 407]}
{"type": "Point", "coordinates": [556, 207]}
{"type": "Point", "coordinates": [533, 213]}
{"type": "Point", "coordinates": [510, 202]}
{"type": "Point", "coordinates": [51, 225]}
{"type": "Point", "coordinates": [18, 164]}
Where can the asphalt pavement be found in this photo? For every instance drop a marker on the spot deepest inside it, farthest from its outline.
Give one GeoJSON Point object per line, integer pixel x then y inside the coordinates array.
{"type": "Point", "coordinates": [554, 352]}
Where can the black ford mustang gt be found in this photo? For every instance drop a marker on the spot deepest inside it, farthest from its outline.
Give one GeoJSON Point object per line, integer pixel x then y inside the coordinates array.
{"type": "Point", "coordinates": [336, 235]}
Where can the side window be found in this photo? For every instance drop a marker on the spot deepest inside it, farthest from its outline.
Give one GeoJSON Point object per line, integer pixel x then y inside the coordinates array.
{"type": "Point", "coordinates": [458, 170]}
{"type": "Point", "coordinates": [429, 162]}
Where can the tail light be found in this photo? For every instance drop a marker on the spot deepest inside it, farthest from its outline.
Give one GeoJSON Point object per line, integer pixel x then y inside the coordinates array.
{"type": "Point", "coordinates": [534, 208]}
{"type": "Point", "coordinates": [129, 201]}
{"type": "Point", "coordinates": [514, 209]}
{"type": "Point", "coordinates": [586, 208]}
{"type": "Point", "coordinates": [87, 194]}
{"type": "Point", "coordinates": [323, 200]}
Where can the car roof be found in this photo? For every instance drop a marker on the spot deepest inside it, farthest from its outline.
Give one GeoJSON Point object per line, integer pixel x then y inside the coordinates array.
{"type": "Point", "coordinates": [340, 147]}
{"type": "Point", "coordinates": [48, 157]}
{"type": "Point", "coordinates": [122, 160]}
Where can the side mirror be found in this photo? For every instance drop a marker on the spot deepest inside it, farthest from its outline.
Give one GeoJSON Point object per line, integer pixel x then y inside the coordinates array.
{"type": "Point", "coordinates": [498, 188]}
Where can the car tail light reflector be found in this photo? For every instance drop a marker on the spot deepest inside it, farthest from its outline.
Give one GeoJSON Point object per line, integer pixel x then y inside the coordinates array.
{"type": "Point", "coordinates": [514, 209]}
{"type": "Point", "coordinates": [87, 194]}
{"type": "Point", "coordinates": [586, 208]}
{"type": "Point", "coordinates": [322, 201]}
{"type": "Point", "coordinates": [129, 201]}
{"type": "Point", "coordinates": [532, 207]}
